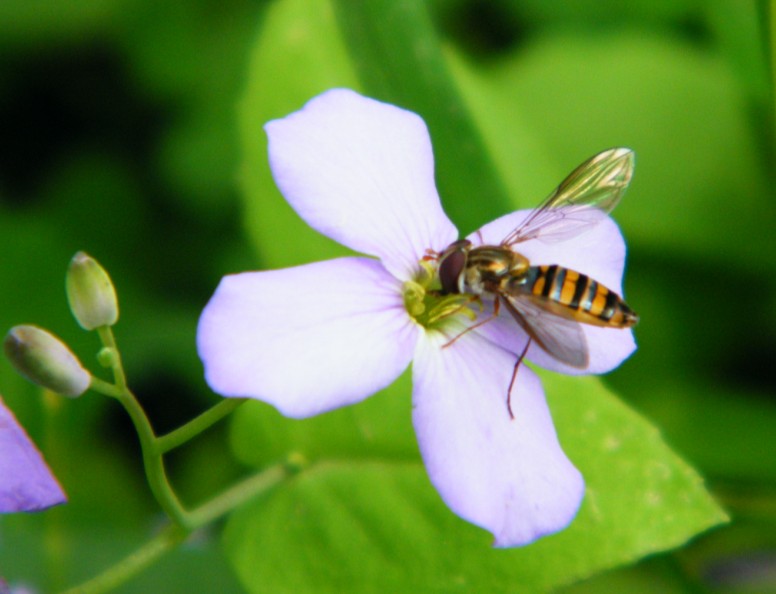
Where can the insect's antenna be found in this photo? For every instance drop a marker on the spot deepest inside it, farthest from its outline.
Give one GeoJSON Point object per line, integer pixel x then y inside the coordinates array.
{"type": "Point", "coordinates": [514, 377]}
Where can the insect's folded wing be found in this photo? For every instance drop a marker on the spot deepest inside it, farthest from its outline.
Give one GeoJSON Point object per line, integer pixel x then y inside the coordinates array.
{"type": "Point", "coordinates": [549, 326]}
{"type": "Point", "coordinates": [606, 348]}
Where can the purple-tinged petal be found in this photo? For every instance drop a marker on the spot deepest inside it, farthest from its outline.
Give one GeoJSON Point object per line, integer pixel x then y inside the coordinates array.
{"type": "Point", "coordinates": [26, 483]}
{"type": "Point", "coordinates": [307, 339]}
{"type": "Point", "coordinates": [509, 476]}
{"type": "Point", "coordinates": [362, 172]}
{"type": "Point", "coordinates": [598, 253]}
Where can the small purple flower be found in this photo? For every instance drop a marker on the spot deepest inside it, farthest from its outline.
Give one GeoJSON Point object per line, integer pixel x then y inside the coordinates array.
{"type": "Point", "coordinates": [26, 483]}
{"type": "Point", "coordinates": [362, 173]}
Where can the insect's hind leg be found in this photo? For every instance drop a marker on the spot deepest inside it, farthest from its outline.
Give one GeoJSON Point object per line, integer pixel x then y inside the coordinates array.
{"type": "Point", "coordinates": [514, 378]}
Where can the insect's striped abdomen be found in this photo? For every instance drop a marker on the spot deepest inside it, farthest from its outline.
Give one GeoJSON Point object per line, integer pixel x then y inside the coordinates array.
{"type": "Point", "coordinates": [589, 301]}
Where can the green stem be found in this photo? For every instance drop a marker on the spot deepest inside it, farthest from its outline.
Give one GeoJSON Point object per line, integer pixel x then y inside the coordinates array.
{"type": "Point", "coordinates": [109, 342]}
{"type": "Point", "coordinates": [173, 534]}
{"type": "Point", "coordinates": [197, 425]}
{"type": "Point", "coordinates": [153, 448]}
{"type": "Point", "coordinates": [166, 540]}
{"type": "Point", "coordinates": [104, 387]}
{"type": "Point", "coordinates": [238, 494]}
{"type": "Point", "coordinates": [152, 461]}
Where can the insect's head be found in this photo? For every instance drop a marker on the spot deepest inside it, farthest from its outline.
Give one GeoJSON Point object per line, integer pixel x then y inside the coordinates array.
{"type": "Point", "coordinates": [452, 263]}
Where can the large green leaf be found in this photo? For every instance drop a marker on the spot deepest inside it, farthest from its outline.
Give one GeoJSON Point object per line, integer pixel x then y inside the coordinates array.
{"type": "Point", "coordinates": [364, 518]}
{"type": "Point", "coordinates": [379, 426]}
{"type": "Point", "coordinates": [699, 189]}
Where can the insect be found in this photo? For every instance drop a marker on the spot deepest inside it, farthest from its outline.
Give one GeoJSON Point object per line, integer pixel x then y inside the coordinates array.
{"type": "Point", "coordinates": [549, 302]}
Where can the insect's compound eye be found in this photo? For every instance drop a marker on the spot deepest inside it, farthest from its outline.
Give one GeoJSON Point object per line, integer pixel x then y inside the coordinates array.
{"type": "Point", "coordinates": [451, 266]}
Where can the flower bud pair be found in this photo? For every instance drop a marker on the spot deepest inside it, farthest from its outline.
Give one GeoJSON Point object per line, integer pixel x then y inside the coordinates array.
{"type": "Point", "coordinates": [42, 357]}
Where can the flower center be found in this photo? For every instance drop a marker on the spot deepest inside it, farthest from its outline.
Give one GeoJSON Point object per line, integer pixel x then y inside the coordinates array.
{"type": "Point", "coordinates": [426, 303]}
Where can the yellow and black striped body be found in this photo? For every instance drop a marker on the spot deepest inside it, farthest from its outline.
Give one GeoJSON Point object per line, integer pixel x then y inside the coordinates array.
{"type": "Point", "coordinates": [586, 300]}
{"type": "Point", "coordinates": [500, 271]}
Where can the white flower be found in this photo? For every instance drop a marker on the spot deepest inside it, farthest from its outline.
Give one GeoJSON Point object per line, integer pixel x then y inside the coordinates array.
{"type": "Point", "coordinates": [313, 338]}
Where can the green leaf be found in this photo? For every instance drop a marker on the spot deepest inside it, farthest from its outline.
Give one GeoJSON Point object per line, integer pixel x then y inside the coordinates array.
{"type": "Point", "coordinates": [641, 497]}
{"type": "Point", "coordinates": [699, 188]}
{"type": "Point", "coordinates": [728, 434]}
{"type": "Point", "coordinates": [89, 545]}
{"type": "Point", "coordinates": [363, 516]}
{"type": "Point", "coordinates": [378, 427]}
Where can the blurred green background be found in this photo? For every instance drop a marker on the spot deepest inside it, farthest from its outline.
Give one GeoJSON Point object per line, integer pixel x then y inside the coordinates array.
{"type": "Point", "coordinates": [129, 132]}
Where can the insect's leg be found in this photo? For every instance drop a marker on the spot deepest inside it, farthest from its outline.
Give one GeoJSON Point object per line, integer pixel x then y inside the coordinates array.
{"type": "Point", "coordinates": [514, 377]}
{"type": "Point", "coordinates": [478, 324]}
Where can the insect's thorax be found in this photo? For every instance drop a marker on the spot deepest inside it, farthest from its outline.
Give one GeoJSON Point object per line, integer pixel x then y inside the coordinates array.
{"type": "Point", "coordinates": [477, 270]}
{"type": "Point", "coordinates": [491, 269]}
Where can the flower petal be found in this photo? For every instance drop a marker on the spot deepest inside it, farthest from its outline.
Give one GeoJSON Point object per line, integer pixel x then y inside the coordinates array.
{"type": "Point", "coordinates": [362, 172]}
{"type": "Point", "coordinates": [509, 476]}
{"type": "Point", "coordinates": [306, 339]}
{"type": "Point", "coordinates": [27, 483]}
{"type": "Point", "coordinates": [598, 253]}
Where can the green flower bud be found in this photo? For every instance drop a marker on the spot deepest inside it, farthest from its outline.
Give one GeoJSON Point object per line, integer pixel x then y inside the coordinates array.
{"type": "Point", "coordinates": [90, 293]}
{"type": "Point", "coordinates": [44, 359]}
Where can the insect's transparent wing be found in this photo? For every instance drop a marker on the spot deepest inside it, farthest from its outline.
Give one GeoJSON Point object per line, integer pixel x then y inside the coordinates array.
{"type": "Point", "coordinates": [548, 324]}
{"type": "Point", "coordinates": [583, 199]}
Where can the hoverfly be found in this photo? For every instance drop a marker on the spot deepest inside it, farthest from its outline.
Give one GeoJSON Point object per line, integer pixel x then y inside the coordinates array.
{"type": "Point", "coordinates": [549, 302]}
